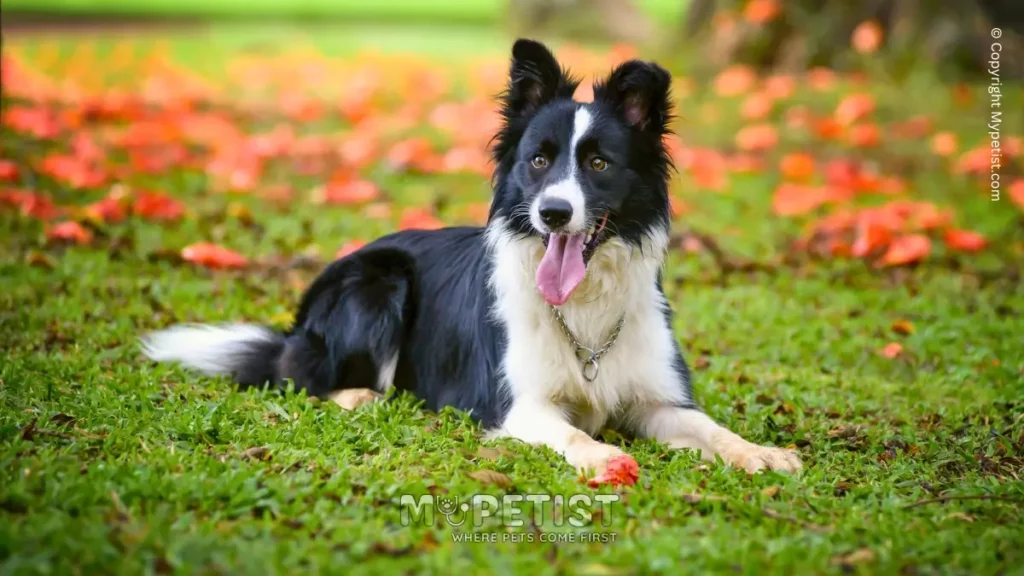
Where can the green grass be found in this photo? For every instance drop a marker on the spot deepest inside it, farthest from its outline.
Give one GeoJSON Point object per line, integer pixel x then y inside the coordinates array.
{"type": "Point", "coordinates": [111, 464]}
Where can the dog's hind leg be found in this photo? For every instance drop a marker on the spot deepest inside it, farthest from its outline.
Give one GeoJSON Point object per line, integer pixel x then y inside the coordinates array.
{"type": "Point", "coordinates": [350, 328]}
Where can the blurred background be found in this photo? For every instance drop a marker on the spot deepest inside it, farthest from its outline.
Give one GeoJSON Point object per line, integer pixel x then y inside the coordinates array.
{"type": "Point", "coordinates": [820, 127]}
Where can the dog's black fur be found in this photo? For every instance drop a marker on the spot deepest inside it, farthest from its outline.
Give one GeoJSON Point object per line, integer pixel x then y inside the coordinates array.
{"type": "Point", "coordinates": [425, 295]}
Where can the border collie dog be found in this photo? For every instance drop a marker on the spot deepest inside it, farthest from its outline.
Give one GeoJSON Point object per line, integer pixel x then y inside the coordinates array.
{"type": "Point", "coordinates": [547, 324]}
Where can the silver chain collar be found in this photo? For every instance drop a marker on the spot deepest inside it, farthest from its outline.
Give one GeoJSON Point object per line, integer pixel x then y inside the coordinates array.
{"type": "Point", "coordinates": [588, 357]}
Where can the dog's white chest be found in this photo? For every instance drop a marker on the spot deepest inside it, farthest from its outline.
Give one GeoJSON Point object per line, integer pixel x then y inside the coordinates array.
{"type": "Point", "coordinates": [541, 359]}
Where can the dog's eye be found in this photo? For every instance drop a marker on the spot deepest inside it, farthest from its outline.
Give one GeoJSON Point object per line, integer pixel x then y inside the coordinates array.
{"type": "Point", "coordinates": [539, 161]}
{"type": "Point", "coordinates": [598, 164]}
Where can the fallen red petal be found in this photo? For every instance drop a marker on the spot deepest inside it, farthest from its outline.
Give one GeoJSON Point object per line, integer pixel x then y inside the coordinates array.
{"type": "Point", "coordinates": [622, 471]}
{"type": "Point", "coordinates": [213, 256]}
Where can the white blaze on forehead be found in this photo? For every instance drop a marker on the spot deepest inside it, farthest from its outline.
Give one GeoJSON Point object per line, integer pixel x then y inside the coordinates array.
{"type": "Point", "coordinates": [569, 188]}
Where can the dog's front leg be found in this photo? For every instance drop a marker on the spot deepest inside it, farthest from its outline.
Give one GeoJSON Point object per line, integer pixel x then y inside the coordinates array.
{"type": "Point", "coordinates": [540, 421]}
{"type": "Point", "coordinates": [691, 428]}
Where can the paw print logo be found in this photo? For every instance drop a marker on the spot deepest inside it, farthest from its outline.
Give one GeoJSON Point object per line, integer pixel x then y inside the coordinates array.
{"type": "Point", "coordinates": [450, 508]}
{"type": "Point", "coordinates": [447, 506]}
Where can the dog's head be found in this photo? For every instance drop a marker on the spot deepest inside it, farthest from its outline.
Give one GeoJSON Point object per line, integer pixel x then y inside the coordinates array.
{"type": "Point", "coordinates": [576, 175]}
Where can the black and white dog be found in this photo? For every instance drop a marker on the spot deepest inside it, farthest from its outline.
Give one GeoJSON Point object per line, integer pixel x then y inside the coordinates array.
{"type": "Point", "coordinates": [547, 324]}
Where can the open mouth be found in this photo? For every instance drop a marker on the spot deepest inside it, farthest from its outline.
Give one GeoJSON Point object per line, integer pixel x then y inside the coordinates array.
{"type": "Point", "coordinates": [565, 261]}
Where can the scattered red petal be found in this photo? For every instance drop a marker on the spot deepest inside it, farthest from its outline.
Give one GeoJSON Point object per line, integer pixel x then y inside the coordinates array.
{"type": "Point", "coordinates": [8, 171]}
{"type": "Point", "coordinates": [867, 37]}
{"type": "Point", "coordinates": [891, 350]}
{"type": "Point", "coordinates": [110, 210]}
{"type": "Point", "coordinates": [944, 143]}
{"type": "Point", "coordinates": [349, 192]}
{"type": "Point", "coordinates": [761, 11]}
{"type": "Point", "coordinates": [757, 106]}
{"type": "Point", "coordinates": [621, 471]}
{"type": "Point", "coordinates": [69, 231]}
{"type": "Point", "coordinates": [348, 248]}
{"type": "Point", "coordinates": [757, 137]}
{"type": "Point", "coordinates": [907, 250]}
{"type": "Point", "coordinates": [419, 219]}
{"type": "Point", "coordinates": [735, 80]}
{"type": "Point", "coordinates": [157, 206]}
{"type": "Point", "coordinates": [853, 108]}
{"type": "Point", "coordinates": [964, 240]}
{"type": "Point", "coordinates": [865, 135]}
{"type": "Point", "coordinates": [872, 235]}
{"type": "Point", "coordinates": [1016, 189]}
{"type": "Point", "coordinates": [796, 199]}
{"type": "Point", "coordinates": [797, 166]}
{"type": "Point", "coordinates": [213, 256]}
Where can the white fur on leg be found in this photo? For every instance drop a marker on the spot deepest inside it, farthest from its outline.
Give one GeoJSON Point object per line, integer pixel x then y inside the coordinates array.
{"type": "Point", "coordinates": [352, 398]}
{"type": "Point", "coordinates": [686, 428]}
{"type": "Point", "coordinates": [386, 373]}
{"type": "Point", "coordinates": [208, 349]}
{"type": "Point", "coordinates": [536, 421]}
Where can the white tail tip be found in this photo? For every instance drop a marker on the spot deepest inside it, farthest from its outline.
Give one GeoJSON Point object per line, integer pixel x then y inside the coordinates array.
{"type": "Point", "coordinates": [208, 349]}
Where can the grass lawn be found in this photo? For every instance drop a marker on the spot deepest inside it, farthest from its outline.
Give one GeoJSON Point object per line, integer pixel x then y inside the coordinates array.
{"type": "Point", "coordinates": [111, 464]}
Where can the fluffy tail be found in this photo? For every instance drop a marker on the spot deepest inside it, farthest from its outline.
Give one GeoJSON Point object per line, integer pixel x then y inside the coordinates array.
{"type": "Point", "coordinates": [247, 352]}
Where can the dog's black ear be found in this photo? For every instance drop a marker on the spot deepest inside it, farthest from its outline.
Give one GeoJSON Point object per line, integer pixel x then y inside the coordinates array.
{"type": "Point", "coordinates": [639, 94]}
{"type": "Point", "coordinates": [535, 79]}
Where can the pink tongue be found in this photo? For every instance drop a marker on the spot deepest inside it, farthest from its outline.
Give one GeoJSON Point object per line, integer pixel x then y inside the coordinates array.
{"type": "Point", "coordinates": [561, 270]}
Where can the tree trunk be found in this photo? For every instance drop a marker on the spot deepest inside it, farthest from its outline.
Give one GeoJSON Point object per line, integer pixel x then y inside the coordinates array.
{"type": "Point", "coordinates": [954, 36]}
{"type": "Point", "coordinates": [619, 20]}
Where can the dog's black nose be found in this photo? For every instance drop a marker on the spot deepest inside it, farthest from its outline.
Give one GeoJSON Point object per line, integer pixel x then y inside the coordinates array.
{"type": "Point", "coordinates": [555, 212]}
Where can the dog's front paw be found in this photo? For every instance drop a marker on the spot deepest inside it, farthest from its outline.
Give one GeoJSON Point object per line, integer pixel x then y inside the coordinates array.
{"type": "Point", "coordinates": [604, 463]}
{"type": "Point", "coordinates": [753, 458]}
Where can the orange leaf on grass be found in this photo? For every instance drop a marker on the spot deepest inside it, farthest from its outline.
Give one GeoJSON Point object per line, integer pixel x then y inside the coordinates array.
{"type": "Point", "coordinates": [30, 204]}
{"type": "Point", "coordinates": [409, 152]}
{"type": "Point", "coordinates": [795, 199]}
{"type": "Point", "coordinates": [964, 240]}
{"type": "Point", "coordinates": [853, 108]}
{"type": "Point", "coordinates": [757, 137]}
{"type": "Point", "coordinates": [419, 219]}
{"type": "Point", "coordinates": [761, 11]}
{"type": "Point", "coordinates": [872, 234]}
{"type": "Point", "coordinates": [865, 135]}
{"type": "Point", "coordinates": [891, 350]}
{"type": "Point", "coordinates": [8, 170]}
{"type": "Point", "coordinates": [213, 256]}
{"type": "Point", "coordinates": [378, 210]}
{"type": "Point", "coordinates": [1016, 189]}
{"type": "Point", "coordinates": [621, 471]}
{"type": "Point", "coordinates": [676, 206]}
{"type": "Point", "coordinates": [821, 78]}
{"type": "Point", "coordinates": [157, 206]}
{"type": "Point", "coordinates": [348, 248]}
{"type": "Point", "coordinates": [735, 80]}
{"type": "Point", "coordinates": [584, 92]}
{"type": "Point", "coordinates": [867, 37]}
{"type": "Point", "coordinates": [906, 250]}
{"type": "Point", "coordinates": [110, 210]}
{"type": "Point", "coordinates": [756, 106]}
{"type": "Point", "coordinates": [944, 143]}
{"type": "Point", "coordinates": [828, 129]}
{"type": "Point", "coordinates": [797, 166]}
{"type": "Point", "coordinates": [69, 232]}
{"type": "Point", "coordinates": [779, 86]}
{"type": "Point", "coordinates": [349, 192]}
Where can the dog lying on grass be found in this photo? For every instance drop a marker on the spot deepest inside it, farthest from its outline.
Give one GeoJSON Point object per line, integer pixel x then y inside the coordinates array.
{"type": "Point", "coordinates": [547, 324]}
